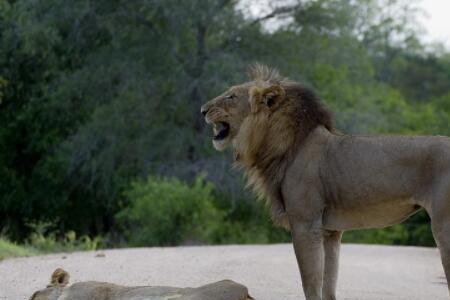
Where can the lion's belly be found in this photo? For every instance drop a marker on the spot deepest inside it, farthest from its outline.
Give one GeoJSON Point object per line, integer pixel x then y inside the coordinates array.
{"type": "Point", "coordinates": [370, 216]}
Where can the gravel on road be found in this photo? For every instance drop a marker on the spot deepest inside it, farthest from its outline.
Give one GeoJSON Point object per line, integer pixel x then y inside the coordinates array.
{"type": "Point", "coordinates": [269, 271]}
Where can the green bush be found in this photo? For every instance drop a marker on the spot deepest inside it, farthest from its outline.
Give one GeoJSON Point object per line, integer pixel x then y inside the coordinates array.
{"type": "Point", "coordinates": [414, 231]}
{"type": "Point", "coordinates": [167, 211]}
{"type": "Point", "coordinates": [394, 235]}
{"type": "Point", "coordinates": [247, 221]}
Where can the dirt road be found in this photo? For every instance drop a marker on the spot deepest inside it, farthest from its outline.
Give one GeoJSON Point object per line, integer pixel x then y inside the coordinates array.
{"type": "Point", "coordinates": [270, 272]}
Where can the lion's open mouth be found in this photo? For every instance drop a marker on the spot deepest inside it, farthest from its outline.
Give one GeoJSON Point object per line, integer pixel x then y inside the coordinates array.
{"type": "Point", "coordinates": [221, 130]}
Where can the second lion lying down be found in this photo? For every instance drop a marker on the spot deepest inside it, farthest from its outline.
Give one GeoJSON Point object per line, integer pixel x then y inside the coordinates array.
{"type": "Point", "coordinates": [58, 290]}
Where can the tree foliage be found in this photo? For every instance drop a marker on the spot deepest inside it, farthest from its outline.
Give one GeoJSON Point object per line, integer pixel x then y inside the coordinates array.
{"type": "Point", "coordinates": [97, 94]}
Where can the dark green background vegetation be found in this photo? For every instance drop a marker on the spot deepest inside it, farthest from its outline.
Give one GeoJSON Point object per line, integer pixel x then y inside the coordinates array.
{"type": "Point", "coordinates": [100, 131]}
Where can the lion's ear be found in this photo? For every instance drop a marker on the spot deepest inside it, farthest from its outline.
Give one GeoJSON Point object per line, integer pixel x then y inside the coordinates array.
{"type": "Point", "coordinates": [59, 278]}
{"type": "Point", "coordinates": [273, 96]}
{"type": "Point", "coordinates": [270, 97]}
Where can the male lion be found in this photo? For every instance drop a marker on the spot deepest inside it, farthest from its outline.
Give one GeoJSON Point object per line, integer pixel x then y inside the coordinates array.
{"type": "Point", "coordinates": [319, 182]}
{"type": "Point", "coordinates": [57, 290]}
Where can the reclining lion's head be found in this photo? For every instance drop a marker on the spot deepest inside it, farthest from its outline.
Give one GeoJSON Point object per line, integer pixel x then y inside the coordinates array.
{"type": "Point", "coordinates": [58, 281]}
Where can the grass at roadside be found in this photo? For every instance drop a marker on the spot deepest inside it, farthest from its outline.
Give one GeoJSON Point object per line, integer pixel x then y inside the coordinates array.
{"type": "Point", "coordinates": [9, 249]}
{"type": "Point", "coordinates": [43, 240]}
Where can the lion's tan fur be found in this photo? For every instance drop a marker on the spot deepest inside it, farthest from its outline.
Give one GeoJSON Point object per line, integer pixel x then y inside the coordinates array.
{"type": "Point", "coordinates": [59, 278]}
{"type": "Point", "coordinates": [57, 289]}
{"type": "Point", "coordinates": [319, 182]}
{"type": "Point", "coordinates": [268, 137]}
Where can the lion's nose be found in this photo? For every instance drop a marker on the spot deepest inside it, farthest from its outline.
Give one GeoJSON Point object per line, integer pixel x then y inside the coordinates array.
{"type": "Point", "coordinates": [204, 111]}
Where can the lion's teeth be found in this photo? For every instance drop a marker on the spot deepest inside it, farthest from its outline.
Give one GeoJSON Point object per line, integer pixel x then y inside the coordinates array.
{"type": "Point", "coordinates": [219, 126]}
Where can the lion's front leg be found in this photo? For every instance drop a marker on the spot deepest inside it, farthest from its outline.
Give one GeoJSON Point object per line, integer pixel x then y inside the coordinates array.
{"type": "Point", "coordinates": [308, 246]}
{"type": "Point", "coordinates": [332, 245]}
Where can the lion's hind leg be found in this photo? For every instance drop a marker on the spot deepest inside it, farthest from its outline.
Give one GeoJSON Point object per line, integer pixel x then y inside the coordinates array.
{"type": "Point", "coordinates": [441, 233]}
{"type": "Point", "coordinates": [440, 225]}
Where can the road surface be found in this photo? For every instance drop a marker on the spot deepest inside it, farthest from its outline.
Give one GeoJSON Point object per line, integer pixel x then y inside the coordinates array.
{"type": "Point", "coordinates": [270, 272]}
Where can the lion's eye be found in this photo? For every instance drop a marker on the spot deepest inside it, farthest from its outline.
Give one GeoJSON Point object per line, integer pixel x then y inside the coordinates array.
{"type": "Point", "coordinates": [230, 97]}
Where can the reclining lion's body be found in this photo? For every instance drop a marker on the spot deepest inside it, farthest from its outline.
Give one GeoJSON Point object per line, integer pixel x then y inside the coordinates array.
{"type": "Point", "coordinates": [92, 290]}
{"type": "Point", "coordinates": [223, 290]}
